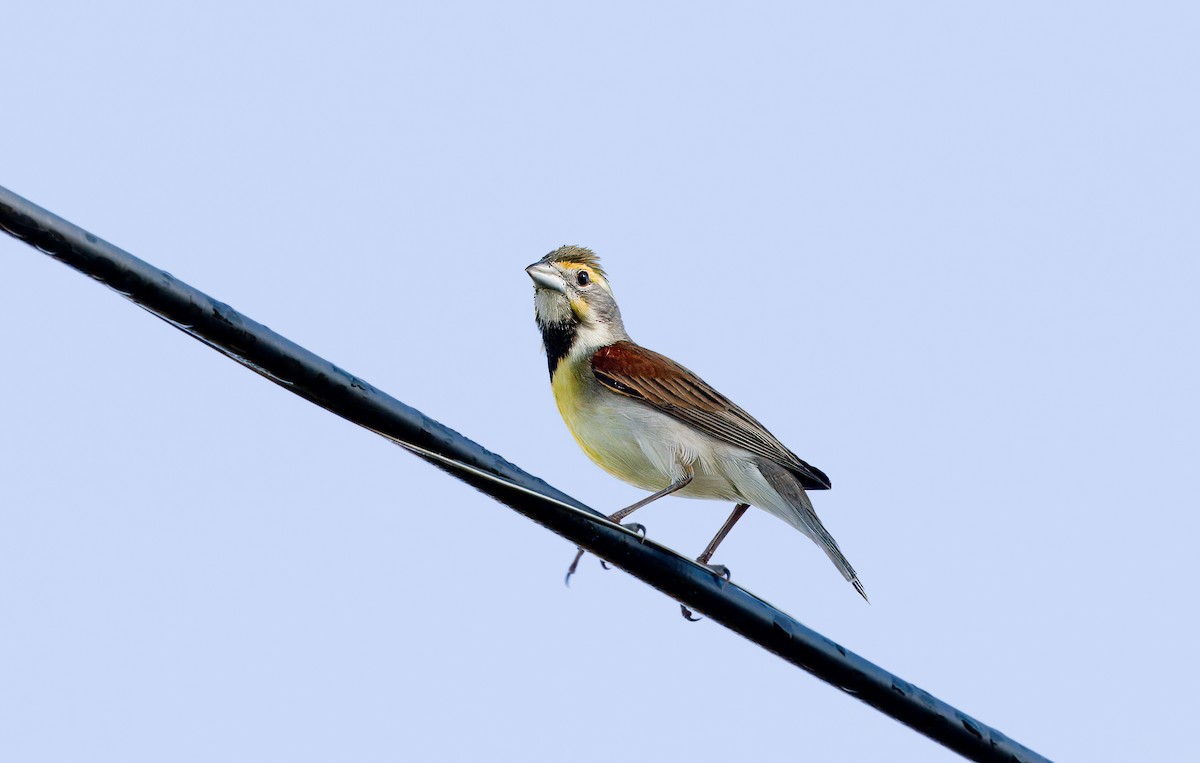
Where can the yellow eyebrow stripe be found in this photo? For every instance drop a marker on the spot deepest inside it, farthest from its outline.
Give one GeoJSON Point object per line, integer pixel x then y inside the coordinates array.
{"type": "Point", "coordinates": [591, 274]}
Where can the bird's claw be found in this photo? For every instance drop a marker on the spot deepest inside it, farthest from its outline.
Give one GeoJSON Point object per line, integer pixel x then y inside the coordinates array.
{"type": "Point", "coordinates": [572, 568]}
{"type": "Point", "coordinates": [635, 527]}
{"type": "Point", "coordinates": [719, 570]}
{"type": "Point", "coordinates": [688, 614]}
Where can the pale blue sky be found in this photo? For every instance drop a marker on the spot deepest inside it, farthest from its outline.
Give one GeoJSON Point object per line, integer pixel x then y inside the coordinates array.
{"type": "Point", "coordinates": [948, 254]}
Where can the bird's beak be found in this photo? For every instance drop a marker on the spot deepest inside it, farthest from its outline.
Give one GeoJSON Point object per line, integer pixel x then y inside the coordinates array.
{"type": "Point", "coordinates": [546, 277]}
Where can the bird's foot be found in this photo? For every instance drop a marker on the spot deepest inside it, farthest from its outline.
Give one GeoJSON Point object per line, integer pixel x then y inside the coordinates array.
{"type": "Point", "coordinates": [719, 570]}
{"type": "Point", "coordinates": [635, 527]}
{"type": "Point", "coordinates": [574, 566]}
{"type": "Point", "coordinates": [689, 614]}
{"type": "Point", "coordinates": [638, 529]}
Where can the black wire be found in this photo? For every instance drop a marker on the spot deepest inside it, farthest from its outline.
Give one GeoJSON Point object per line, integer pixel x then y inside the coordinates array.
{"type": "Point", "coordinates": [319, 381]}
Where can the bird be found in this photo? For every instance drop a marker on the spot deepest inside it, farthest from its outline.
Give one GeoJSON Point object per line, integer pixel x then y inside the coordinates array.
{"type": "Point", "coordinates": [649, 421]}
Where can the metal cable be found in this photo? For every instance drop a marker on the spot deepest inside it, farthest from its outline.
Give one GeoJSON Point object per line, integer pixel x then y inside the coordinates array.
{"type": "Point", "coordinates": [319, 381]}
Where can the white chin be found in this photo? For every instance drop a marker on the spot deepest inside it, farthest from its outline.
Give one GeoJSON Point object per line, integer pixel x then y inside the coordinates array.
{"type": "Point", "coordinates": [551, 306]}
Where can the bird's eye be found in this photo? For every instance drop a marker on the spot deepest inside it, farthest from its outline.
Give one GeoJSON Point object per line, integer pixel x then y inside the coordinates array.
{"type": "Point", "coordinates": [583, 279]}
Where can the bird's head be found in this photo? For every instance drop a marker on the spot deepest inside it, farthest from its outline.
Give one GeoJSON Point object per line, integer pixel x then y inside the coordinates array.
{"type": "Point", "coordinates": [574, 303]}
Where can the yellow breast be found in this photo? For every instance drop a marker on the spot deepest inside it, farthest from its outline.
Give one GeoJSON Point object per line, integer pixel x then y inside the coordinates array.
{"type": "Point", "coordinates": [570, 387]}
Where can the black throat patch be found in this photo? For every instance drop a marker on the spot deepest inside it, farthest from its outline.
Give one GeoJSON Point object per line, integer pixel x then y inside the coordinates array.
{"type": "Point", "coordinates": [557, 339]}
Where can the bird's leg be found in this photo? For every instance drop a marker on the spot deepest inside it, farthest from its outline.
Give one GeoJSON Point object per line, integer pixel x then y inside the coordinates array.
{"type": "Point", "coordinates": [675, 486]}
{"type": "Point", "coordinates": [616, 517]}
{"type": "Point", "coordinates": [709, 550]}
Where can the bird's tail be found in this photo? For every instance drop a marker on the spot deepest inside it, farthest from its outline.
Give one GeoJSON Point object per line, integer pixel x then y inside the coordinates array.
{"type": "Point", "coordinates": [797, 510]}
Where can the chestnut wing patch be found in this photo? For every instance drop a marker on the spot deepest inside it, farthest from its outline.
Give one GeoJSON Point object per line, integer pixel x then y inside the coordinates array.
{"type": "Point", "coordinates": [663, 384]}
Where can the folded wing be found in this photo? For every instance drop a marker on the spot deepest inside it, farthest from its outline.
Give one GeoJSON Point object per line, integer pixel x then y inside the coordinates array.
{"type": "Point", "coordinates": [658, 381]}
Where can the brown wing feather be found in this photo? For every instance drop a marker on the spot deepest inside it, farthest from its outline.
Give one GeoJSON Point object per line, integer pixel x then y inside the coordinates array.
{"type": "Point", "coordinates": [658, 381]}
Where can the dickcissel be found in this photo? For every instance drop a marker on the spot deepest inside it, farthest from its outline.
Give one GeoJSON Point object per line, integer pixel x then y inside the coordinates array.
{"type": "Point", "coordinates": [651, 422]}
